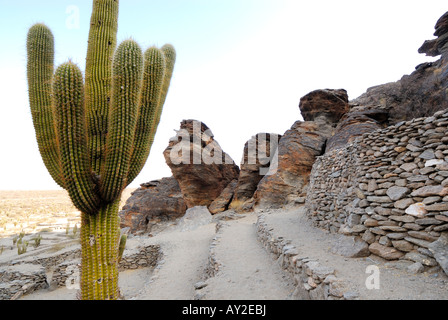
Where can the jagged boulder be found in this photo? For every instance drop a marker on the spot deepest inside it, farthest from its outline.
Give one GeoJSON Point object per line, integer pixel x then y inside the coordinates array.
{"type": "Point", "coordinates": [290, 169]}
{"type": "Point", "coordinates": [222, 202]}
{"type": "Point", "coordinates": [153, 203]}
{"type": "Point", "coordinates": [331, 104]}
{"type": "Point", "coordinates": [257, 155]}
{"type": "Point", "coordinates": [298, 148]}
{"type": "Point", "coordinates": [202, 169]}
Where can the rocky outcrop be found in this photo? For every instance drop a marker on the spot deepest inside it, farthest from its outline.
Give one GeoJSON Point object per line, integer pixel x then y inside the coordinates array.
{"type": "Point", "coordinates": [154, 202]}
{"type": "Point", "coordinates": [222, 203]}
{"type": "Point", "coordinates": [202, 169]}
{"type": "Point", "coordinates": [328, 103]}
{"type": "Point", "coordinates": [289, 173]}
{"type": "Point", "coordinates": [257, 155]}
{"type": "Point", "coordinates": [438, 46]}
{"type": "Point", "coordinates": [421, 93]}
{"type": "Point", "coordinates": [207, 175]}
{"type": "Point", "coordinates": [355, 123]}
{"type": "Point", "coordinates": [298, 148]}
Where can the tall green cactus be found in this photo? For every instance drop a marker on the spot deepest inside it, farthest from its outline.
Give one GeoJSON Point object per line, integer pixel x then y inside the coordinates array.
{"type": "Point", "coordinates": [95, 135]}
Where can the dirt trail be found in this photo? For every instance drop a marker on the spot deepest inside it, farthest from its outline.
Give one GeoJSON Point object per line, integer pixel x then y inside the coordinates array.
{"type": "Point", "coordinates": [247, 271]}
{"type": "Point", "coordinates": [185, 255]}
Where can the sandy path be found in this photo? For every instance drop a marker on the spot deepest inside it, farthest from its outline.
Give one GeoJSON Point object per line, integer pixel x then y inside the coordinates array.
{"type": "Point", "coordinates": [185, 257]}
{"type": "Point", "coordinates": [247, 271]}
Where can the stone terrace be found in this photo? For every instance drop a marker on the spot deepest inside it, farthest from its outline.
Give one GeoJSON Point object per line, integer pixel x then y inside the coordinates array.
{"type": "Point", "coordinates": [390, 188]}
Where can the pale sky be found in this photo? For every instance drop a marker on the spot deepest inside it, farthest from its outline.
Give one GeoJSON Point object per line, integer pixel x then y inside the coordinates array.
{"type": "Point", "coordinates": [242, 65]}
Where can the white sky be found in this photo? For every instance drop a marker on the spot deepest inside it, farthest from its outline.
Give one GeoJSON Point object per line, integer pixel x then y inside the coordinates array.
{"type": "Point", "coordinates": [242, 66]}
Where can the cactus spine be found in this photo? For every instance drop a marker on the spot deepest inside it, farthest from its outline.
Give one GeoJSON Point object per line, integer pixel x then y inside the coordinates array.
{"type": "Point", "coordinates": [95, 135]}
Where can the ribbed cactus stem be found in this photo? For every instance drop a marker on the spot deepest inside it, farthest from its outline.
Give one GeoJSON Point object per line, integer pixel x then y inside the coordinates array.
{"type": "Point", "coordinates": [68, 100]}
{"type": "Point", "coordinates": [100, 52]}
{"type": "Point", "coordinates": [126, 87]}
{"type": "Point", "coordinates": [170, 59]}
{"type": "Point", "coordinates": [40, 50]}
{"type": "Point", "coordinates": [100, 236]}
{"type": "Point", "coordinates": [154, 71]}
{"type": "Point", "coordinates": [122, 246]}
{"type": "Point", "coordinates": [95, 136]}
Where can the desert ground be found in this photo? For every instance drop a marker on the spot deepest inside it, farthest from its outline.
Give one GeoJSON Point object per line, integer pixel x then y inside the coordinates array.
{"type": "Point", "coordinates": [245, 269]}
{"type": "Point", "coordinates": [39, 211]}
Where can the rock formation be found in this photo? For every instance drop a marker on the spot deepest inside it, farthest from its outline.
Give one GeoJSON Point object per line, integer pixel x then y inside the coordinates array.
{"type": "Point", "coordinates": [222, 202]}
{"type": "Point", "coordinates": [154, 202]}
{"type": "Point", "coordinates": [299, 147]}
{"type": "Point", "coordinates": [421, 93]}
{"type": "Point", "coordinates": [330, 103]}
{"type": "Point", "coordinates": [438, 46]}
{"type": "Point", "coordinates": [355, 123]}
{"type": "Point", "coordinates": [375, 209]}
{"type": "Point", "coordinates": [202, 169]}
{"type": "Point", "coordinates": [257, 155]}
{"type": "Point", "coordinates": [289, 172]}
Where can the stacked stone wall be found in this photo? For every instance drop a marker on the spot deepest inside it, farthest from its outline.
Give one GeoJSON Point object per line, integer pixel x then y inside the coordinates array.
{"type": "Point", "coordinates": [389, 187]}
{"type": "Point", "coordinates": [312, 279]}
{"type": "Point", "coordinates": [62, 270]}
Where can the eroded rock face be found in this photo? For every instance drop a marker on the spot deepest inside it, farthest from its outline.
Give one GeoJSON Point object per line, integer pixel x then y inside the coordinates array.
{"type": "Point", "coordinates": [198, 163]}
{"type": "Point", "coordinates": [257, 156]}
{"type": "Point", "coordinates": [289, 174]}
{"type": "Point", "coordinates": [355, 123]}
{"type": "Point", "coordinates": [424, 91]}
{"type": "Point", "coordinates": [154, 202]}
{"type": "Point", "coordinates": [330, 103]}
{"type": "Point", "coordinates": [438, 46]}
{"type": "Point", "coordinates": [298, 148]}
{"type": "Point", "coordinates": [222, 202]}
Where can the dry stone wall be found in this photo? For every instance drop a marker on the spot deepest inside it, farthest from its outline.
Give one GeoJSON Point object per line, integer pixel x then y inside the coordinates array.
{"type": "Point", "coordinates": [312, 279]}
{"type": "Point", "coordinates": [389, 187]}
{"type": "Point", "coordinates": [20, 277]}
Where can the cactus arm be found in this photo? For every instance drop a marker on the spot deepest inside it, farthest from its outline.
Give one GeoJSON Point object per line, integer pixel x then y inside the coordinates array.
{"type": "Point", "coordinates": [154, 71]}
{"type": "Point", "coordinates": [100, 50]}
{"type": "Point", "coordinates": [170, 59]}
{"type": "Point", "coordinates": [122, 246]}
{"type": "Point", "coordinates": [40, 61]}
{"type": "Point", "coordinates": [126, 88]}
{"type": "Point", "coordinates": [68, 100]}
